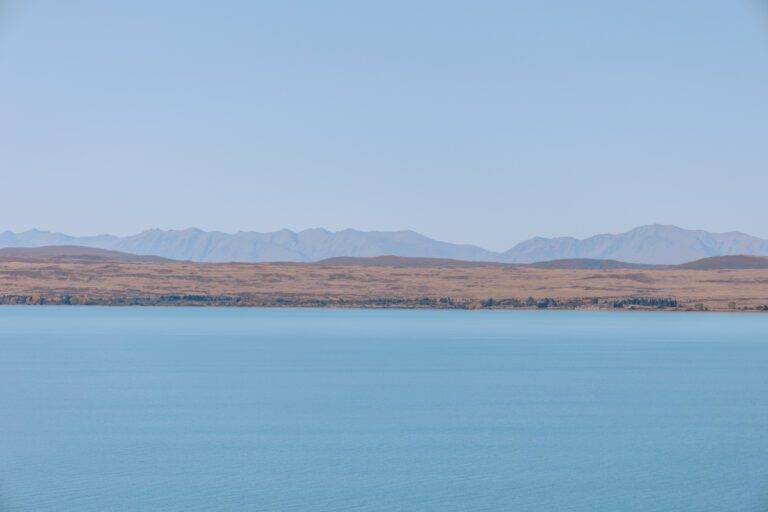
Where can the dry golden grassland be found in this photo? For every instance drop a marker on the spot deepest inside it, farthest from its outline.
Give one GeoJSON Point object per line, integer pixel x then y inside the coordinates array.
{"type": "Point", "coordinates": [333, 285]}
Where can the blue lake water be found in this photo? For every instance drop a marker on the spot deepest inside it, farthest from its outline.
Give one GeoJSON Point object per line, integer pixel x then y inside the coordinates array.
{"type": "Point", "coordinates": [143, 409]}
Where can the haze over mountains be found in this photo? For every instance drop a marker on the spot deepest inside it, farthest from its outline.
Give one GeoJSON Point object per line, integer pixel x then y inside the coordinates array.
{"type": "Point", "coordinates": [653, 244]}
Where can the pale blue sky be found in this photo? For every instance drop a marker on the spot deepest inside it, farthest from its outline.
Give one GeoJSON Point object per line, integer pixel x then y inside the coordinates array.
{"type": "Point", "coordinates": [479, 122]}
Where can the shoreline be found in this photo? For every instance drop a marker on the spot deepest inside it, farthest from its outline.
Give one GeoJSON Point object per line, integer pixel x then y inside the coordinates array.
{"type": "Point", "coordinates": [617, 304]}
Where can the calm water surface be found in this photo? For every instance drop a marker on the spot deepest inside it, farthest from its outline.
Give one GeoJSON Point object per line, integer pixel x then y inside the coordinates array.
{"type": "Point", "coordinates": [123, 409]}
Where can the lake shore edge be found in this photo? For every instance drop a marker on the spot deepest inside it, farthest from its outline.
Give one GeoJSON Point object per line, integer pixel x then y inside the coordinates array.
{"type": "Point", "coordinates": [669, 304]}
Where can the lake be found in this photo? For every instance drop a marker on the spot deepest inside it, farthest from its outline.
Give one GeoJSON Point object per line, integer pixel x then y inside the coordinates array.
{"type": "Point", "coordinates": [184, 409]}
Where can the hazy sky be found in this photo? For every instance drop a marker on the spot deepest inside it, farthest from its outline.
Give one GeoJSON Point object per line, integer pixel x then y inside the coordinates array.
{"type": "Point", "coordinates": [481, 122]}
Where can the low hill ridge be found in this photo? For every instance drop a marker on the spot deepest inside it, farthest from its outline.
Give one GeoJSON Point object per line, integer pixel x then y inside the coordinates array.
{"type": "Point", "coordinates": [81, 253]}
{"type": "Point", "coordinates": [406, 262]}
{"type": "Point", "coordinates": [72, 253]}
{"type": "Point", "coordinates": [738, 261]}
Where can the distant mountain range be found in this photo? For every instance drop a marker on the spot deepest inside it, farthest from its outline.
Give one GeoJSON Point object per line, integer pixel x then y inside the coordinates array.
{"type": "Point", "coordinates": [284, 245]}
{"type": "Point", "coordinates": [654, 244]}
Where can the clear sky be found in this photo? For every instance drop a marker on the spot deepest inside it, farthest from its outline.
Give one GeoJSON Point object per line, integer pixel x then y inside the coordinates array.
{"type": "Point", "coordinates": [480, 122]}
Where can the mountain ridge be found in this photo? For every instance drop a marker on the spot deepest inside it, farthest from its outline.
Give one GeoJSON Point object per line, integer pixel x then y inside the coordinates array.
{"type": "Point", "coordinates": [654, 244]}
{"type": "Point", "coordinates": [657, 244]}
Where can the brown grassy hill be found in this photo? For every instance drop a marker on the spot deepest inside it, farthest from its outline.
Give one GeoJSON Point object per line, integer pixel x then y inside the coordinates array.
{"type": "Point", "coordinates": [80, 275]}
{"type": "Point", "coordinates": [63, 253]}
{"type": "Point", "coordinates": [79, 281]}
{"type": "Point", "coordinates": [587, 263]}
{"type": "Point", "coordinates": [714, 263]}
{"type": "Point", "coordinates": [406, 262]}
{"type": "Point", "coordinates": [410, 262]}
{"type": "Point", "coordinates": [71, 253]}
{"type": "Point", "coordinates": [728, 262]}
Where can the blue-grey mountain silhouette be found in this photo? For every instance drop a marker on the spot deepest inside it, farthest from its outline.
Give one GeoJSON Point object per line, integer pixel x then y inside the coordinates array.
{"type": "Point", "coordinates": [653, 244]}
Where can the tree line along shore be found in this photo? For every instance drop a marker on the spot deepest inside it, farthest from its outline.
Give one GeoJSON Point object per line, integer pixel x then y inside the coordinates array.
{"type": "Point", "coordinates": [528, 303]}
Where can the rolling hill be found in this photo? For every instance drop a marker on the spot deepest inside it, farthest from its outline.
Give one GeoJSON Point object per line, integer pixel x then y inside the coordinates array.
{"type": "Point", "coordinates": [587, 263]}
{"type": "Point", "coordinates": [406, 262]}
{"type": "Point", "coordinates": [72, 253]}
{"type": "Point", "coordinates": [727, 262]}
